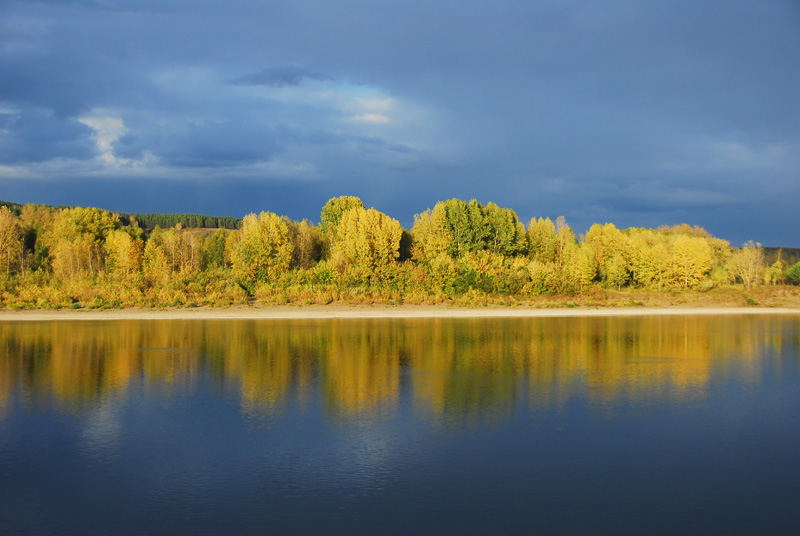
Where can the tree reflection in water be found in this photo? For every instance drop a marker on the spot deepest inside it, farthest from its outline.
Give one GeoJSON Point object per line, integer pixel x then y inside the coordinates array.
{"type": "Point", "coordinates": [462, 373]}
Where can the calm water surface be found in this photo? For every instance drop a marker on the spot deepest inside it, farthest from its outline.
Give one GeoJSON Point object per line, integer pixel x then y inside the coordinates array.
{"type": "Point", "coordinates": [673, 425]}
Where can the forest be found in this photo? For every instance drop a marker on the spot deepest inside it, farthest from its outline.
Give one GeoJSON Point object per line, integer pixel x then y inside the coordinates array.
{"type": "Point", "coordinates": [461, 253]}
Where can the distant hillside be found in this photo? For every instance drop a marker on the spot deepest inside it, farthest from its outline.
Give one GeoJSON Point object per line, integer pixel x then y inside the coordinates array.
{"type": "Point", "coordinates": [789, 255]}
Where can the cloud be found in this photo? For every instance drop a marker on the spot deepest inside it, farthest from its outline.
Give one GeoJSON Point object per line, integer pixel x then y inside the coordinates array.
{"type": "Point", "coordinates": [108, 129]}
{"type": "Point", "coordinates": [31, 135]}
{"type": "Point", "coordinates": [622, 111]}
{"type": "Point", "coordinates": [200, 144]}
{"type": "Point", "coordinates": [281, 76]}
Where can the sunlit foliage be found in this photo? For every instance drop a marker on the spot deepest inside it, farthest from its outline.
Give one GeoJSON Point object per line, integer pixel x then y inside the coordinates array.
{"type": "Point", "coordinates": [10, 241]}
{"type": "Point", "coordinates": [368, 240]}
{"type": "Point", "coordinates": [261, 249]}
{"type": "Point", "coordinates": [747, 264]}
{"type": "Point", "coordinates": [458, 252]}
{"type": "Point", "coordinates": [334, 209]}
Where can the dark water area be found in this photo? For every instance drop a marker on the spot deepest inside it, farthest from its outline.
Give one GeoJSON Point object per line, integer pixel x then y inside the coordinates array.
{"type": "Point", "coordinates": [620, 425]}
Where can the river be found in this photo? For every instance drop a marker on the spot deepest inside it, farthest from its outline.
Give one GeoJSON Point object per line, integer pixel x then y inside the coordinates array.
{"type": "Point", "coordinates": [603, 425]}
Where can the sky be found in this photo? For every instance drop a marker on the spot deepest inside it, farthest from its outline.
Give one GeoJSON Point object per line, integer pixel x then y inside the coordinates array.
{"type": "Point", "coordinates": [633, 112]}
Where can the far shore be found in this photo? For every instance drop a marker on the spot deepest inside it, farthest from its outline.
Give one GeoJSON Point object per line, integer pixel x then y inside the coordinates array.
{"type": "Point", "coordinates": [372, 311]}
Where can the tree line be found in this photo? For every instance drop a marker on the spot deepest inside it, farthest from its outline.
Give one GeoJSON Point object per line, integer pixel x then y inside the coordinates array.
{"type": "Point", "coordinates": [153, 220]}
{"type": "Point", "coordinates": [459, 252]}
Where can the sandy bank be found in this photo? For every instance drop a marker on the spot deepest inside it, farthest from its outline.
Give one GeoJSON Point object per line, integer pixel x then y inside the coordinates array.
{"type": "Point", "coordinates": [404, 311]}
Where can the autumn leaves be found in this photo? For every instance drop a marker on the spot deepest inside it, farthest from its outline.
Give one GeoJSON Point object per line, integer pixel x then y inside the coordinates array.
{"type": "Point", "coordinates": [79, 256]}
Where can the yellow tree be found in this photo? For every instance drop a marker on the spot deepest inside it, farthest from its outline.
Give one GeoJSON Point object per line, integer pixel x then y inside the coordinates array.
{"type": "Point", "coordinates": [565, 238]}
{"type": "Point", "coordinates": [652, 265]}
{"type": "Point", "coordinates": [156, 267]}
{"type": "Point", "coordinates": [10, 240]}
{"type": "Point", "coordinates": [123, 255]}
{"type": "Point", "coordinates": [331, 216]}
{"type": "Point", "coordinates": [307, 243]}
{"type": "Point", "coordinates": [617, 269]}
{"type": "Point", "coordinates": [261, 249]}
{"type": "Point", "coordinates": [579, 265]}
{"type": "Point", "coordinates": [72, 259]}
{"type": "Point", "coordinates": [773, 274]}
{"type": "Point", "coordinates": [747, 264]}
{"type": "Point", "coordinates": [610, 250]}
{"type": "Point", "coordinates": [76, 240]}
{"type": "Point", "coordinates": [430, 234]}
{"type": "Point", "coordinates": [369, 240]}
{"type": "Point", "coordinates": [92, 223]}
{"type": "Point", "coordinates": [690, 260]}
{"type": "Point", "coordinates": [542, 240]}
{"type": "Point", "coordinates": [551, 248]}
{"type": "Point", "coordinates": [649, 257]}
{"type": "Point", "coordinates": [181, 248]}
{"type": "Point", "coordinates": [37, 217]}
{"type": "Point", "coordinates": [334, 209]}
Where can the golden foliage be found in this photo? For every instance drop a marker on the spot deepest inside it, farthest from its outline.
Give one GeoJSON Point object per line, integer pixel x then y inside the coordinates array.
{"type": "Point", "coordinates": [459, 251]}
{"type": "Point", "coordinates": [690, 260]}
{"type": "Point", "coordinates": [369, 241]}
{"type": "Point", "coordinates": [431, 234]}
{"type": "Point", "coordinates": [261, 249]}
{"type": "Point", "coordinates": [10, 241]}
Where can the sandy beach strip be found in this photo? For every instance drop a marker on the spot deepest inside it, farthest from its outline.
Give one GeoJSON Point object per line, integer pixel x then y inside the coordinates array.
{"type": "Point", "coordinates": [370, 311]}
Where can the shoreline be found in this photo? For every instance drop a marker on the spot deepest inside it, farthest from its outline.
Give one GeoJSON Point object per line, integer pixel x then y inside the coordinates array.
{"type": "Point", "coordinates": [289, 312]}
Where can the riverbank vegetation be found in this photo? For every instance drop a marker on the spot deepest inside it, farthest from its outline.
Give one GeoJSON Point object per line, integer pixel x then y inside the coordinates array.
{"type": "Point", "coordinates": [459, 253]}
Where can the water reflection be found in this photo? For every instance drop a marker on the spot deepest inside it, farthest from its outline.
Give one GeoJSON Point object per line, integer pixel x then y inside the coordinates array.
{"type": "Point", "coordinates": [457, 372]}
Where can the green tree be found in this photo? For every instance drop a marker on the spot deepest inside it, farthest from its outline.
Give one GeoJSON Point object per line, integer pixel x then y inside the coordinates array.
{"type": "Point", "coordinates": [793, 273]}
{"type": "Point", "coordinates": [505, 233]}
{"type": "Point", "coordinates": [460, 227]}
{"type": "Point", "coordinates": [213, 250]}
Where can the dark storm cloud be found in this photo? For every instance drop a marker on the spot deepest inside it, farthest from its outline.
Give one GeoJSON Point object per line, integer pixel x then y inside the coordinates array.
{"type": "Point", "coordinates": [31, 135]}
{"type": "Point", "coordinates": [281, 76]}
{"type": "Point", "coordinates": [639, 113]}
{"type": "Point", "coordinates": [207, 144]}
